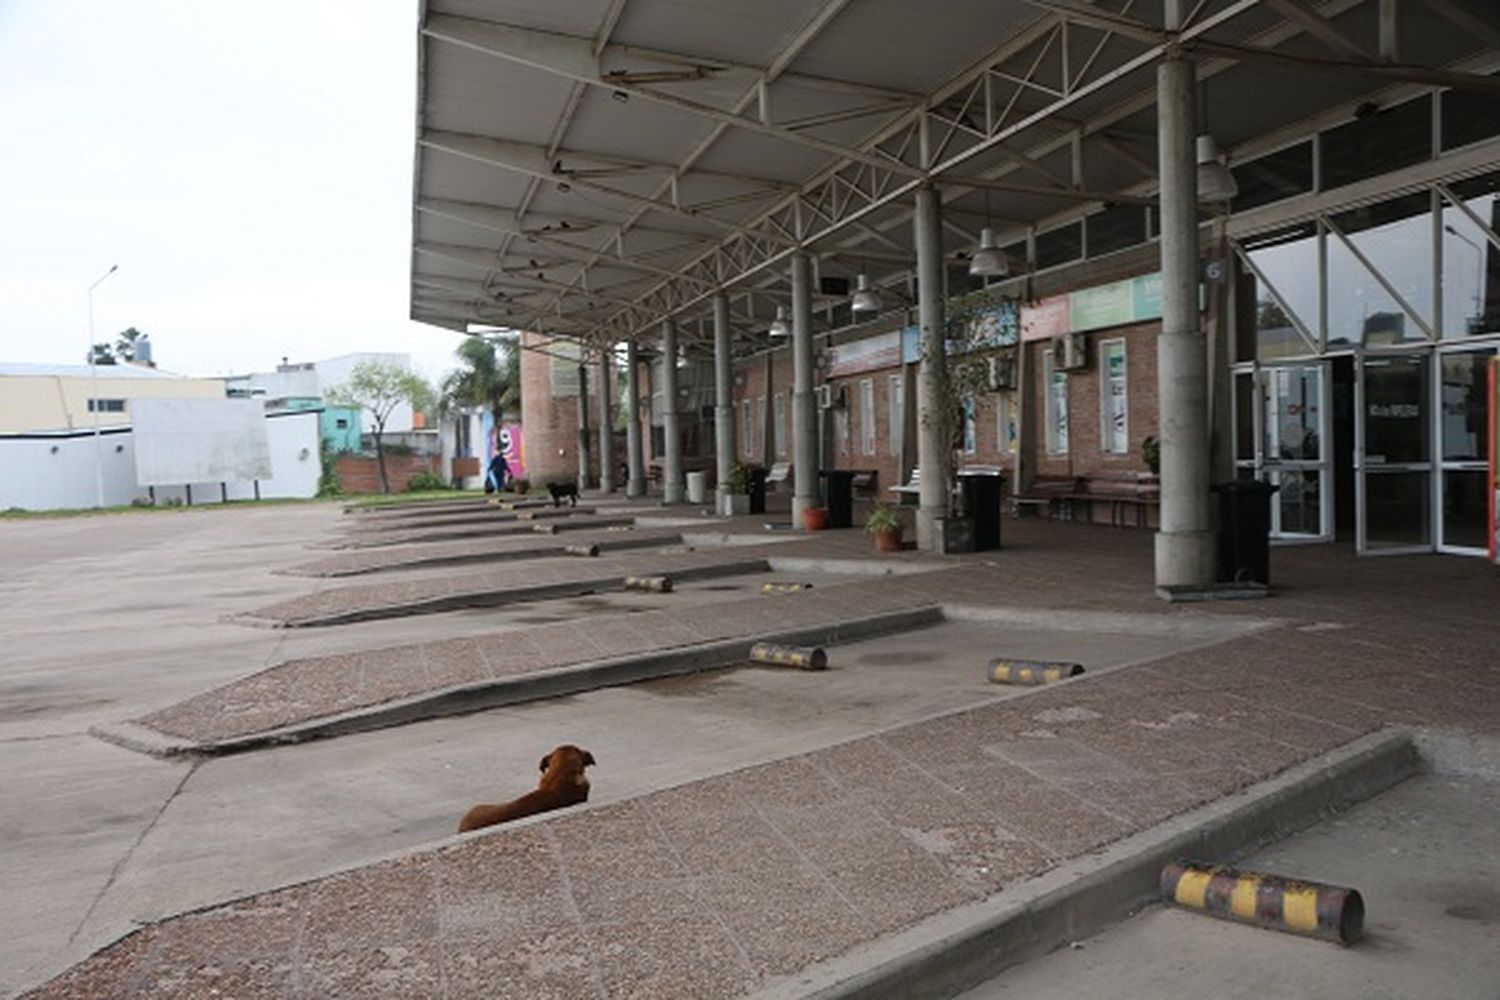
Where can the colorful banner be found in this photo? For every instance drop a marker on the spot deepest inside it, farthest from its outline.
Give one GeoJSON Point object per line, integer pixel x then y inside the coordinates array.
{"type": "Point", "coordinates": [882, 351]}
{"type": "Point", "coordinates": [508, 442]}
{"type": "Point", "coordinates": [1134, 300]}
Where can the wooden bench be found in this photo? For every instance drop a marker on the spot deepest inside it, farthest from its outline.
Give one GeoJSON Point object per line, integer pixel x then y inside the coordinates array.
{"type": "Point", "coordinates": [1126, 493]}
{"type": "Point", "coordinates": [1050, 495]}
{"type": "Point", "coordinates": [910, 494]}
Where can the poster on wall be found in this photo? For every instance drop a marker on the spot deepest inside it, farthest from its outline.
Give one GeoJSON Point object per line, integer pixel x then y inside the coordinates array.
{"type": "Point", "coordinates": [507, 442]}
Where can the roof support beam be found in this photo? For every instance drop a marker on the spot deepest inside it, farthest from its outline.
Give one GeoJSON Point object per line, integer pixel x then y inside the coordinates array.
{"type": "Point", "coordinates": [1467, 20]}
{"type": "Point", "coordinates": [573, 58]}
{"type": "Point", "coordinates": [1319, 27]}
{"type": "Point", "coordinates": [1388, 72]}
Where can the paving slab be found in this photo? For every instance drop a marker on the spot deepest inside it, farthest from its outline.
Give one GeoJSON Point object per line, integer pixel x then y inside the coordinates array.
{"type": "Point", "coordinates": [502, 524]}
{"type": "Point", "coordinates": [535, 580]}
{"type": "Point", "coordinates": [524, 545]}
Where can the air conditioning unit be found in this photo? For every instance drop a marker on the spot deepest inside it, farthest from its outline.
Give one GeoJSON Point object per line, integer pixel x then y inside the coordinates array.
{"type": "Point", "coordinates": [1070, 352]}
{"type": "Point", "coordinates": [1002, 371]}
{"type": "Point", "coordinates": [824, 396]}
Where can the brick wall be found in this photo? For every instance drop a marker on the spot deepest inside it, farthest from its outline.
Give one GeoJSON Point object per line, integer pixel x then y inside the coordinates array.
{"type": "Point", "coordinates": [361, 473]}
{"type": "Point", "coordinates": [550, 425]}
{"type": "Point", "coordinates": [1085, 456]}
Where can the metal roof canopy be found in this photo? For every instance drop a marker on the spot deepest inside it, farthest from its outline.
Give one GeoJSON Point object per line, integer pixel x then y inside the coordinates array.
{"type": "Point", "coordinates": [588, 169]}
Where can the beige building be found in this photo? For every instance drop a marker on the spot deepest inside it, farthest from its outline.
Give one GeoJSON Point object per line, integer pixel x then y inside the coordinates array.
{"type": "Point", "coordinates": [35, 397]}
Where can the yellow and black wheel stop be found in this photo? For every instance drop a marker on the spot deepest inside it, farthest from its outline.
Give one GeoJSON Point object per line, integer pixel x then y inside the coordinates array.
{"type": "Point", "coordinates": [801, 657]}
{"type": "Point", "coordinates": [1004, 670]}
{"type": "Point", "coordinates": [652, 584]}
{"type": "Point", "coordinates": [1313, 909]}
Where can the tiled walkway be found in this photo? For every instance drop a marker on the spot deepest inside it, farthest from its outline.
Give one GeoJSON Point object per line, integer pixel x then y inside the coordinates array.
{"type": "Point", "coordinates": [723, 885]}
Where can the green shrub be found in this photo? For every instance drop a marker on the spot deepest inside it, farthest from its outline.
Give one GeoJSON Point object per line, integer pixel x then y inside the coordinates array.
{"type": "Point", "coordinates": [424, 482]}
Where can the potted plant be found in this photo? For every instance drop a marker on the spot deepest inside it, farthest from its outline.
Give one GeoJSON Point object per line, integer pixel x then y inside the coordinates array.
{"type": "Point", "coordinates": [736, 492]}
{"type": "Point", "coordinates": [815, 519]}
{"type": "Point", "coordinates": [1151, 454]}
{"type": "Point", "coordinates": [885, 524]}
{"type": "Point", "coordinates": [520, 486]}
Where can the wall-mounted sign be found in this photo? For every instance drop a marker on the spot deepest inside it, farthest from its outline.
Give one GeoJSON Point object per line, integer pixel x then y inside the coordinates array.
{"type": "Point", "coordinates": [883, 351]}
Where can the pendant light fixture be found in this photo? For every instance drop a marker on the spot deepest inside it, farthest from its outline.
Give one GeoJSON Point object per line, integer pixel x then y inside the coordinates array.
{"type": "Point", "coordinates": [865, 299]}
{"type": "Point", "coordinates": [1215, 181]}
{"type": "Point", "coordinates": [987, 261]}
{"type": "Point", "coordinates": [779, 326]}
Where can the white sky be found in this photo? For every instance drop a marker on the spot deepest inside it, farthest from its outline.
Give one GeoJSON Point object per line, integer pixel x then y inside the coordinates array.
{"type": "Point", "coordinates": [246, 164]}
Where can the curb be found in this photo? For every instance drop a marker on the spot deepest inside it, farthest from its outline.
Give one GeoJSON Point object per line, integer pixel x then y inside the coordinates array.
{"type": "Point", "coordinates": [505, 555]}
{"type": "Point", "coordinates": [529, 687]}
{"type": "Point", "coordinates": [954, 951]}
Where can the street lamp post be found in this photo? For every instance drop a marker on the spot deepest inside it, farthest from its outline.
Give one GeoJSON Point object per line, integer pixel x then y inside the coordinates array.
{"type": "Point", "coordinates": [93, 403]}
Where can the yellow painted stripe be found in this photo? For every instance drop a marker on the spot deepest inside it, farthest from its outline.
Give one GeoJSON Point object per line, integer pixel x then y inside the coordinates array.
{"type": "Point", "coordinates": [1192, 888]}
{"type": "Point", "coordinates": [1002, 673]}
{"type": "Point", "coordinates": [1242, 900]}
{"type": "Point", "coordinates": [1299, 909]}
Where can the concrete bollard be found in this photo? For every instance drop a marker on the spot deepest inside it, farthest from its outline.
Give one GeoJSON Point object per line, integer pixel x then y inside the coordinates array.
{"type": "Point", "coordinates": [1031, 672]}
{"type": "Point", "coordinates": [581, 550]}
{"type": "Point", "coordinates": [784, 588]}
{"type": "Point", "coordinates": [651, 584]}
{"type": "Point", "coordinates": [1312, 909]}
{"type": "Point", "coordinates": [544, 528]}
{"type": "Point", "coordinates": [801, 657]}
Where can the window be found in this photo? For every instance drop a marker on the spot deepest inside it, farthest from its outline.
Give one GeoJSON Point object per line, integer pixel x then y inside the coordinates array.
{"type": "Point", "coordinates": [867, 416]}
{"type": "Point", "coordinates": [1007, 424]}
{"type": "Point", "coordinates": [1377, 143]}
{"type": "Point", "coordinates": [1057, 405]}
{"type": "Point", "coordinates": [971, 435]}
{"type": "Point", "coordinates": [1114, 430]}
{"type": "Point", "coordinates": [341, 423]}
{"type": "Point", "coordinates": [780, 425]}
{"type": "Point", "coordinates": [895, 413]}
{"type": "Point", "coordinates": [1284, 306]}
{"type": "Point", "coordinates": [1395, 239]}
{"type": "Point", "coordinates": [106, 406]}
{"type": "Point", "coordinates": [1274, 176]}
{"type": "Point", "coordinates": [1471, 264]}
{"type": "Point", "coordinates": [1059, 246]}
{"type": "Point", "coordinates": [1116, 228]}
{"type": "Point", "coordinates": [1469, 116]}
{"type": "Point", "coordinates": [760, 428]}
{"type": "Point", "coordinates": [841, 430]}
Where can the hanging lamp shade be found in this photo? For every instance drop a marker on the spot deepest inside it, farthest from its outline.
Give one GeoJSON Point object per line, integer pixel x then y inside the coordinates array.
{"type": "Point", "coordinates": [1215, 182]}
{"type": "Point", "coordinates": [779, 326]}
{"type": "Point", "coordinates": [988, 261]}
{"type": "Point", "coordinates": [865, 299]}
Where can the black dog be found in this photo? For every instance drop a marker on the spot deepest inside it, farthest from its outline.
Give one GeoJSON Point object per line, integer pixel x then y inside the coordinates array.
{"type": "Point", "coordinates": [564, 489]}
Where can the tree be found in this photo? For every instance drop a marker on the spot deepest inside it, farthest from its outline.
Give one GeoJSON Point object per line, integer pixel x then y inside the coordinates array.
{"type": "Point", "coordinates": [125, 344]}
{"type": "Point", "coordinates": [380, 389]}
{"type": "Point", "coordinates": [490, 376]}
{"type": "Point", "coordinates": [101, 354]}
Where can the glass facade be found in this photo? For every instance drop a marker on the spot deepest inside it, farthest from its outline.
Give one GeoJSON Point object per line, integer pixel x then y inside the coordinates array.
{"type": "Point", "coordinates": [1380, 273]}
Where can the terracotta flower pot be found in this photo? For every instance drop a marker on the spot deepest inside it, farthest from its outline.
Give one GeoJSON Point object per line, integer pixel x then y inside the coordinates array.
{"type": "Point", "coordinates": [888, 541]}
{"type": "Point", "coordinates": [815, 519]}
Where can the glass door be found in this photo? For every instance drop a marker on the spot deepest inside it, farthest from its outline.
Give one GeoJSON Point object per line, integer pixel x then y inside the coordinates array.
{"type": "Point", "coordinates": [1282, 436]}
{"type": "Point", "coordinates": [1462, 505]}
{"type": "Point", "coordinates": [1392, 453]}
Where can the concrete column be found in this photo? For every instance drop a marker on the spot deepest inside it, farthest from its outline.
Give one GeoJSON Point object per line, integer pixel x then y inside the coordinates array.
{"type": "Point", "coordinates": [932, 368]}
{"type": "Point", "coordinates": [1184, 545]}
{"type": "Point", "coordinates": [636, 485]}
{"type": "Point", "coordinates": [672, 485]}
{"type": "Point", "coordinates": [606, 419]}
{"type": "Point", "coordinates": [768, 413]}
{"type": "Point", "coordinates": [724, 450]}
{"type": "Point", "coordinates": [804, 416]}
{"type": "Point", "coordinates": [583, 426]}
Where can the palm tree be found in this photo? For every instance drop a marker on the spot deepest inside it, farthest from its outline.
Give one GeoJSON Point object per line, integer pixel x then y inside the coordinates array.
{"type": "Point", "coordinates": [490, 376]}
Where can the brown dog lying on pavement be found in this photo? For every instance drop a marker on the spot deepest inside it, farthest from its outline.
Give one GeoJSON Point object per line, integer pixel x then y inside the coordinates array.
{"type": "Point", "coordinates": [563, 784]}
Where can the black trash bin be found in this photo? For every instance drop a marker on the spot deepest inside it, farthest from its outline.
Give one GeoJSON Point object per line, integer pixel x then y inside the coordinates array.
{"type": "Point", "coordinates": [1244, 533]}
{"type": "Point", "coordinates": [840, 497]}
{"type": "Point", "coordinates": [757, 490]}
{"type": "Point", "coordinates": [982, 496]}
